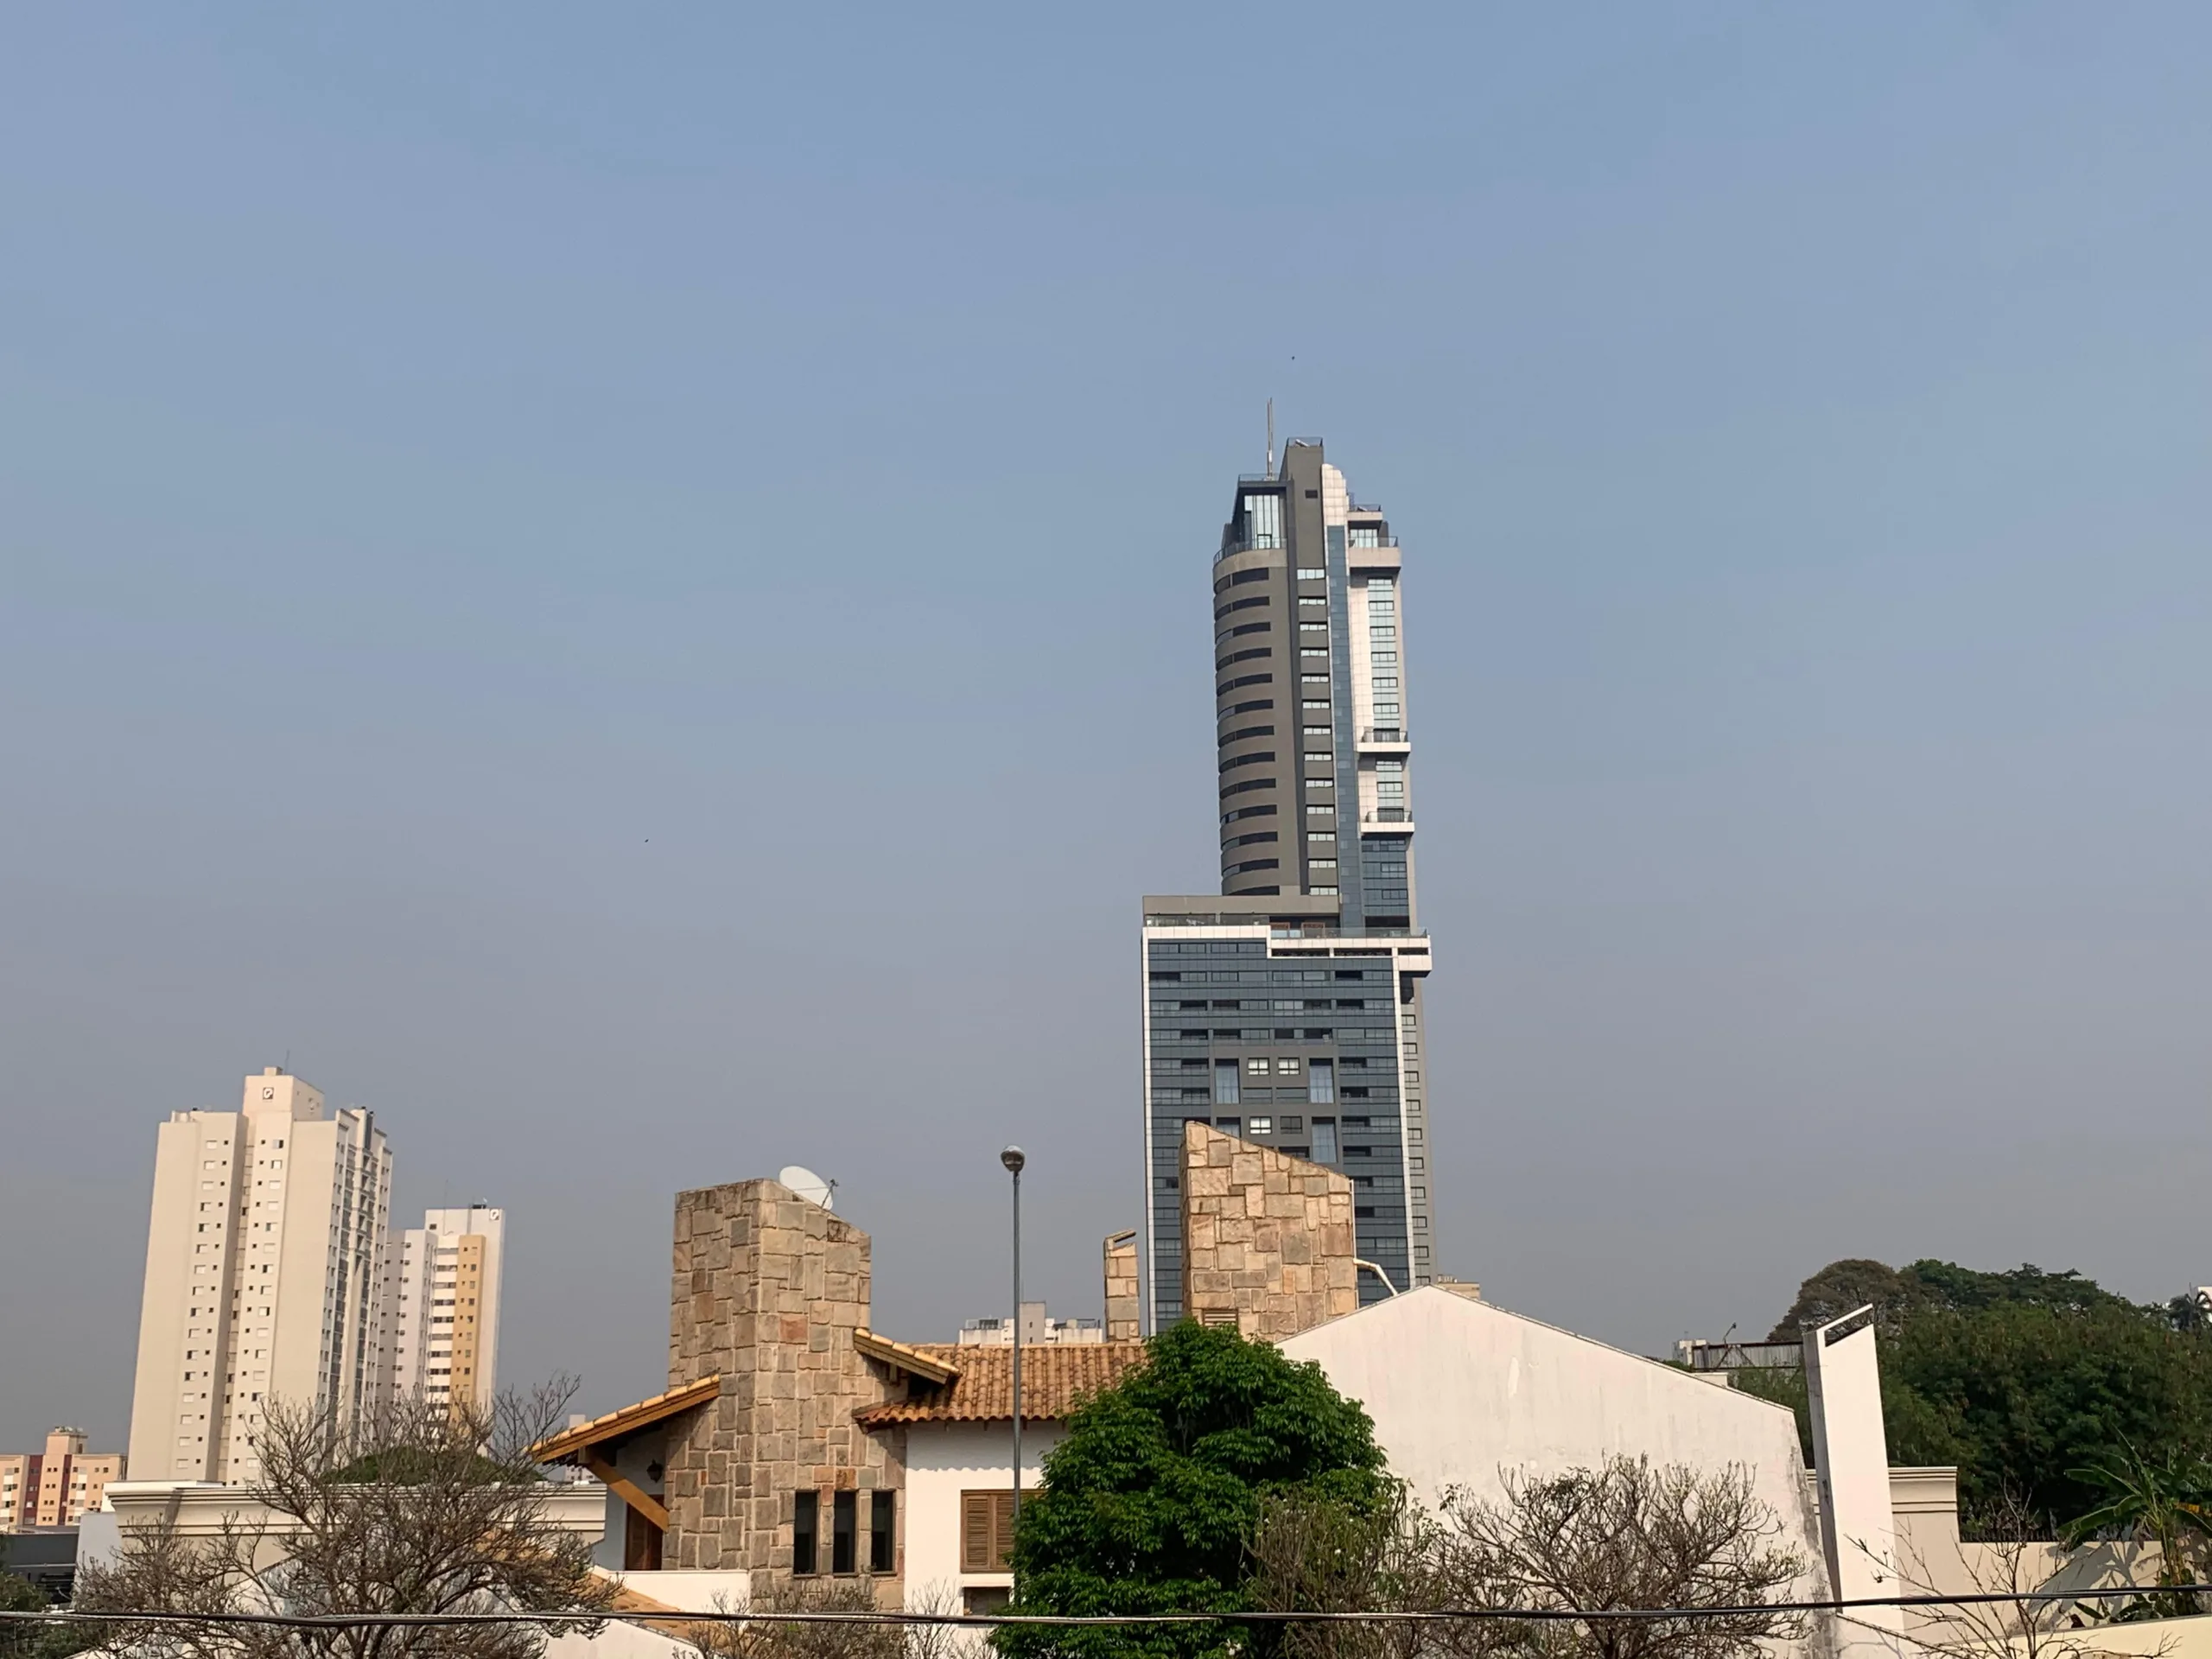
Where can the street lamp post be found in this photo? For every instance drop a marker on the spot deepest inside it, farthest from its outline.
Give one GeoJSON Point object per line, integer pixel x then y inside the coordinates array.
{"type": "Point", "coordinates": [1012, 1158]}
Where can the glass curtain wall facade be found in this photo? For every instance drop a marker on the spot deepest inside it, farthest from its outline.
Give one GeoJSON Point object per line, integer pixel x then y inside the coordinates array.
{"type": "Point", "coordinates": [1287, 1010]}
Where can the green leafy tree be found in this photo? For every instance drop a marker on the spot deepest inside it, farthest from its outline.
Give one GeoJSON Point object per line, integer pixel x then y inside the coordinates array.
{"type": "Point", "coordinates": [2024, 1379]}
{"type": "Point", "coordinates": [1945, 1285]}
{"type": "Point", "coordinates": [25, 1639]}
{"type": "Point", "coordinates": [2163, 1500]}
{"type": "Point", "coordinates": [2191, 1313]}
{"type": "Point", "coordinates": [1840, 1288]}
{"type": "Point", "coordinates": [1924, 1287]}
{"type": "Point", "coordinates": [1149, 1502]}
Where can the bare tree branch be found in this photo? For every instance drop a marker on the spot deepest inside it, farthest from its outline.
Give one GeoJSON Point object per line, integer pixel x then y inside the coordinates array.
{"type": "Point", "coordinates": [413, 1508]}
{"type": "Point", "coordinates": [2009, 1562]}
{"type": "Point", "coordinates": [1312, 1556]}
{"type": "Point", "coordinates": [1630, 1535]}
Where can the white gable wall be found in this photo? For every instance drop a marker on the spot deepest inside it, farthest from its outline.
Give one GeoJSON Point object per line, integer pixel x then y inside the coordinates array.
{"type": "Point", "coordinates": [1459, 1390]}
{"type": "Point", "coordinates": [942, 1461]}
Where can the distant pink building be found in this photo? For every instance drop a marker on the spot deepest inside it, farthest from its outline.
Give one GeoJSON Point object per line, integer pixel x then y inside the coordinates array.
{"type": "Point", "coordinates": [55, 1488]}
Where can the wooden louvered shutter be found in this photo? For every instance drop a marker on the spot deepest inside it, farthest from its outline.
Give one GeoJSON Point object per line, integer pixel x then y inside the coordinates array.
{"type": "Point", "coordinates": [975, 1531]}
{"type": "Point", "coordinates": [986, 1531]}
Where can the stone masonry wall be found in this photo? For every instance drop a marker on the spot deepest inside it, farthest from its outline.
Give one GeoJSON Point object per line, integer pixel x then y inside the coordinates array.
{"type": "Point", "coordinates": [768, 1291]}
{"type": "Point", "coordinates": [1122, 1317]}
{"type": "Point", "coordinates": [1267, 1238]}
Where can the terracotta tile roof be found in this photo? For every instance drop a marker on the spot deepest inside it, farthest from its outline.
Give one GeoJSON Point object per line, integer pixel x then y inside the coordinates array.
{"type": "Point", "coordinates": [1055, 1376]}
{"type": "Point", "coordinates": [616, 1424]}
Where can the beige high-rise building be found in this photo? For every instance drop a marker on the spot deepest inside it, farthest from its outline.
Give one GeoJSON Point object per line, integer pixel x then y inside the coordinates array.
{"type": "Point", "coordinates": [263, 1276]}
{"type": "Point", "coordinates": [55, 1488]}
{"type": "Point", "coordinates": [443, 1299]}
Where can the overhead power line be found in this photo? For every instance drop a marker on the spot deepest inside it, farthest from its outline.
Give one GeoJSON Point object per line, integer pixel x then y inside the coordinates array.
{"type": "Point", "coordinates": [727, 1616]}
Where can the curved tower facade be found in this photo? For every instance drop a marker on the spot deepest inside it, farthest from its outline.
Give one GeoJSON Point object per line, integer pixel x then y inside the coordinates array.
{"type": "Point", "coordinates": [1287, 1011]}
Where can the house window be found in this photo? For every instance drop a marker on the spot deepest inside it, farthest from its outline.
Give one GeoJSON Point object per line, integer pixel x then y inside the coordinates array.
{"type": "Point", "coordinates": [1321, 1083]}
{"type": "Point", "coordinates": [1263, 1126]}
{"type": "Point", "coordinates": [1325, 1141]}
{"type": "Point", "coordinates": [1224, 1082]}
{"type": "Point", "coordinates": [986, 1531]}
{"type": "Point", "coordinates": [1229, 1125]}
{"type": "Point", "coordinates": [1257, 1065]}
{"type": "Point", "coordinates": [1288, 1065]}
{"type": "Point", "coordinates": [844, 1514]}
{"type": "Point", "coordinates": [882, 1530]}
{"type": "Point", "coordinates": [806, 1527]}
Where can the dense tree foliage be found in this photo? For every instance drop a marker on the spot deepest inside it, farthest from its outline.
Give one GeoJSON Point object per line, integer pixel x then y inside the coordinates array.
{"type": "Point", "coordinates": [1898, 1293]}
{"type": "Point", "coordinates": [1150, 1501]}
{"type": "Point", "coordinates": [2023, 1379]}
{"type": "Point", "coordinates": [24, 1639]}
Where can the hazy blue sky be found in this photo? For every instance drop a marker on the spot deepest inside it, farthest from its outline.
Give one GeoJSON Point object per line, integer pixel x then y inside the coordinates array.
{"type": "Point", "coordinates": [629, 587]}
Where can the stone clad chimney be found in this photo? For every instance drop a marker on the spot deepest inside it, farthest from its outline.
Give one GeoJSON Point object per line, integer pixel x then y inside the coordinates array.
{"type": "Point", "coordinates": [1267, 1238]}
{"type": "Point", "coordinates": [1122, 1317]}
{"type": "Point", "coordinates": [768, 1291]}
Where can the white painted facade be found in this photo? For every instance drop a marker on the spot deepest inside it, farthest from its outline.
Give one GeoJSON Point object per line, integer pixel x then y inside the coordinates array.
{"type": "Point", "coordinates": [1037, 1329]}
{"type": "Point", "coordinates": [942, 1461]}
{"type": "Point", "coordinates": [1460, 1391]}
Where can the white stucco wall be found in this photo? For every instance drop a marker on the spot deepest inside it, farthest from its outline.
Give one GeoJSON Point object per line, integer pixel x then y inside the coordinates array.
{"type": "Point", "coordinates": [942, 1461]}
{"type": "Point", "coordinates": [1460, 1391]}
{"type": "Point", "coordinates": [1843, 1386]}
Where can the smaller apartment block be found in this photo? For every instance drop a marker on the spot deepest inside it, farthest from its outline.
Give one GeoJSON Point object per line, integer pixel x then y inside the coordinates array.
{"type": "Point", "coordinates": [442, 1300]}
{"type": "Point", "coordinates": [55, 1488]}
{"type": "Point", "coordinates": [1036, 1328]}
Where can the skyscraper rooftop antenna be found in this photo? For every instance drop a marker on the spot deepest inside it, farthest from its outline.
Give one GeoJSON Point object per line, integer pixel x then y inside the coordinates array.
{"type": "Point", "coordinates": [1271, 437]}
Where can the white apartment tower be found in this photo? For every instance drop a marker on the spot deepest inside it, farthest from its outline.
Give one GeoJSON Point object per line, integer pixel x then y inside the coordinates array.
{"type": "Point", "coordinates": [443, 1296]}
{"type": "Point", "coordinates": [261, 1276]}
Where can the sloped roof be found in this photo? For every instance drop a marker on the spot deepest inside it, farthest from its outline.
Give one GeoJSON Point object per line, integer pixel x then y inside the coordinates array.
{"type": "Point", "coordinates": [1055, 1378]}
{"type": "Point", "coordinates": [904, 1356]}
{"type": "Point", "coordinates": [615, 1425]}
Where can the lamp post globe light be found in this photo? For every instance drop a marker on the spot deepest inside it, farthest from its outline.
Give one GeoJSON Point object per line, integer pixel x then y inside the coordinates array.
{"type": "Point", "coordinates": [1013, 1158]}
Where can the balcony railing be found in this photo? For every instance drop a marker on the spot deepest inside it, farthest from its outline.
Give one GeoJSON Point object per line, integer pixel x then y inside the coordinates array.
{"type": "Point", "coordinates": [1385, 815]}
{"type": "Point", "coordinates": [1385, 735]}
{"type": "Point", "coordinates": [1290, 930]}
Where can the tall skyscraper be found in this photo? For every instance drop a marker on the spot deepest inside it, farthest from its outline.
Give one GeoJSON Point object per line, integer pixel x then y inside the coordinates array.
{"type": "Point", "coordinates": [1287, 1010]}
{"type": "Point", "coordinates": [443, 1301]}
{"type": "Point", "coordinates": [261, 1276]}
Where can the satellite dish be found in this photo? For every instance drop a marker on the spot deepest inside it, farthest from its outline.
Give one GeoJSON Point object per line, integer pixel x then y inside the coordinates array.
{"type": "Point", "coordinates": [807, 1184]}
